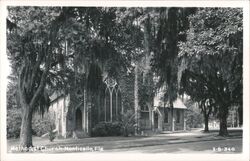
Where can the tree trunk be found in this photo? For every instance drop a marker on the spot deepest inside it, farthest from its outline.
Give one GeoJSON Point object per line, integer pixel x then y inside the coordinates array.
{"type": "Point", "coordinates": [223, 121]}
{"type": "Point", "coordinates": [240, 115]}
{"type": "Point", "coordinates": [90, 122]}
{"type": "Point", "coordinates": [137, 112]}
{"type": "Point", "coordinates": [85, 109]}
{"type": "Point", "coordinates": [172, 115]}
{"type": "Point", "coordinates": [147, 49]}
{"type": "Point", "coordinates": [206, 123]}
{"type": "Point", "coordinates": [223, 127]}
{"type": "Point", "coordinates": [26, 127]}
{"type": "Point", "coordinates": [28, 93]}
{"type": "Point", "coordinates": [164, 118]}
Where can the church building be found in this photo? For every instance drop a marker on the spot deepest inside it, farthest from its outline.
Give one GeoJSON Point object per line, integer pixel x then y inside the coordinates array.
{"type": "Point", "coordinates": [74, 119]}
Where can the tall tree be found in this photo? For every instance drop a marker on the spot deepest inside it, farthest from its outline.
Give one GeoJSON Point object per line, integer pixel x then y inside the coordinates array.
{"type": "Point", "coordinates": [32, 49]}
{"type": "Point", "coordinates": [171, 24]}
{"type": "Point", "coordinates": [206, 106]}
{"type": "Point", "coordinates": [213, 56]}
{"type": "Point", "coordinates": [161, 29]}
{"type": "Point", "coordinates": [199, 93]}
{"type": "Point", "coordinates": [104, 47]}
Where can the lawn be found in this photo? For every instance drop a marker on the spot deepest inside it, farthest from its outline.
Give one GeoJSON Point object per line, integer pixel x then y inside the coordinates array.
{"type": "Point", "coordinates": [161, 142]}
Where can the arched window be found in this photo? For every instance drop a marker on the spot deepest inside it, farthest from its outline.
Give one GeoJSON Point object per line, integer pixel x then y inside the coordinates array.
{"type": "Point", "coordinates": [112, 100]}
{"type": "Point", "coordinates": [114, 107]}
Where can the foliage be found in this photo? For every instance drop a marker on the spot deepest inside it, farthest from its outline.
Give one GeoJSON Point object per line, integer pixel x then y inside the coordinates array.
{"type": "Point", "coordinates": [194, 119]}
{"type": "Point", "coordinates": [42, 125]}
{"type": "Point", "coordinates": [172, 23]}
{"type": "Point", "coordinates": [99, 44]}
{"type": "Point", "coordinates": [107, 129]}
{"type": "Point", "coordinates": [60, 48]}
{"type": "Point", "coordinates": [193, 114]}
{"type": "Point", "coordinates": [52, 134]}
{"type": "Point", "coordinates": [104, 48]}
{"type": "Point", "coordinates": [45, 50]}
{"type": "Point", "coordinates": [146, 91]}
{"type": "Point", "coordinates": [126, 84]}
{"type": "Point", "coordinates": [13, 109]}
{"type": "Point", "coordinates": [12, 95]}
{"type": "Point", "coordinates": [212, 58]}
{"type": "Point", "coordinates": [123, 127]}
{"type": "Point", "coordinates": [27, 47]}
{"type": "Point", "coordinates": [33, 50]}
{"type": "Point", "coordinates": [128, 122]}
{"type": "Point", "coordinates": [13, 123]}
{"type": "Point", "coordinates": [214, 48]}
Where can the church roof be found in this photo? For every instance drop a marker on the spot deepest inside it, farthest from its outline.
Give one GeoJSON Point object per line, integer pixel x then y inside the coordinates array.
{"type": "Point", "coordinates": [176, 104]}
{"type": "Point", "coordinates": [54, 96]}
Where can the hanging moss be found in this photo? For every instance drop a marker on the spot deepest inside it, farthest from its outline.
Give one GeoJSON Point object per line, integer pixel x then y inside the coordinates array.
{"type": "Point", "coordinates": [94, 78]}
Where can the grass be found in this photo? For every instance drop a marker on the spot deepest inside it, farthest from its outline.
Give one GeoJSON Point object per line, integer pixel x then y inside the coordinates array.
{"type": "Point", "coordinates": [116, 143]}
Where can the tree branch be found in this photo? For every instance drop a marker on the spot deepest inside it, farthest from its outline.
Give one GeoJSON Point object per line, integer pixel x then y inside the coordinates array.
{"type": "Point", "coordinates": [52, 38]}
{"type": "Point", "coordinates": [21, 92]}
{"type": "Point", "coordinates": [36, 67]}
{"type": "Point", "coordinates": [42, 82]}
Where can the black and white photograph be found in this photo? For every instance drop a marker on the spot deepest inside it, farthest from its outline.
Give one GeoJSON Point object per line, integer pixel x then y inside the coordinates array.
{"type": "Point", "coordinates": [137, 80]}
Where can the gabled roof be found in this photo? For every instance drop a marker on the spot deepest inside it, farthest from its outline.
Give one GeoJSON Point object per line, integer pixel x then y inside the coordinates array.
{"type": "Point", "coordinates": [177, 103]}
{"type": "Point", "coordinates": [56, 95]}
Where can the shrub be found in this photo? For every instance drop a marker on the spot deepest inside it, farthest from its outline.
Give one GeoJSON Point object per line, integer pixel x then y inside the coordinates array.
{"type": "Point", "coordinates": [194, 120]}
{"type": "Point", "coordinates": [107, 129]}
{"type": "Point", "coordinates": [128, 123]}
{"type": "Point", "coordinates": [99, 130]}
{"type": "Point", "coordinates": [52, 134]}
{"type": "Point", "coordinates": [125, 127]}
{"type": "Point", "coordinates": [42, 125]}
{"type": "Point", "coordinates": [14, 121]}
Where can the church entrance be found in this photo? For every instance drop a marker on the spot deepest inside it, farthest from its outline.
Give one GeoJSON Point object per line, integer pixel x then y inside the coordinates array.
{"type": "Point", "coordinates": [78, 119]}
